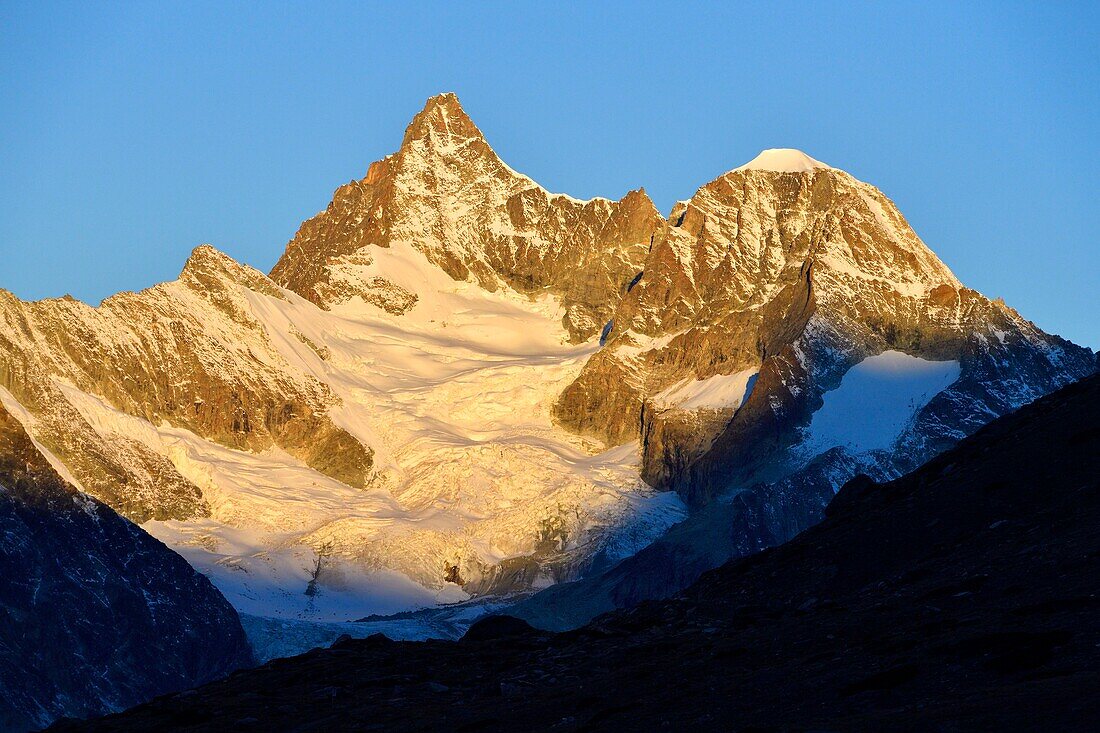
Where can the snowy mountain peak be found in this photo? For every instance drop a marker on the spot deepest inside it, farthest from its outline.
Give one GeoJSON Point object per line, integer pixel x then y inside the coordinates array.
{"type": "Point", "coordinates": [446, 194]}
{"type": "Point", "coordinates": [441, 121]}
{"type": "Point", "coordinates": [422, 384]}
{"type": "Point", "coordinates": [782, 160]}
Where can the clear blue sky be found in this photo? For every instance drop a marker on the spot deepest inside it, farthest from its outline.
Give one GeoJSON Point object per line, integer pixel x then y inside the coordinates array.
{"type": "Point", "coordinates": [131, 132]}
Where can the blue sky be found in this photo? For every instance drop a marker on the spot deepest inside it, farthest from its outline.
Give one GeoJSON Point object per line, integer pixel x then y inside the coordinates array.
{"type": "Point", "coordinates": [129, 133]}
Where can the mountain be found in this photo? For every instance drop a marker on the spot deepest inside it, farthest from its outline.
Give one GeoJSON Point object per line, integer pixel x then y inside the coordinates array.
{"type": "Point", "coordinates": [95, 615]}
{"type": "Point", "coordinates": [761, 292]}
{"type": "Point", "coordinates": [959, 597]}
{"type": "Point", "coordinates": [789, 331]}
{"type": "Point", "coordinates": [447, 194]}
{"type": "Point", "coordinates": [456, 386]}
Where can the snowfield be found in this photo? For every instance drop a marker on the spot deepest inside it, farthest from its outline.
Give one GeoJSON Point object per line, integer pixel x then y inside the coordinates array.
{"type": "Point", "coordinates": [722, 391]}
{"type": "Point", "coordinates": [470, 472]}
{"type": "Point", "coordinates": [876, 400]}
{"type": "Point", "coordinates": [454, 397]}
{"type": "Point", "coordinates": [476, 496]}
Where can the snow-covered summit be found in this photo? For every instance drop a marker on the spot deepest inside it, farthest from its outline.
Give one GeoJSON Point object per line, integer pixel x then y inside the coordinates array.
{"type": "Point", "coordinates": [782, 160]}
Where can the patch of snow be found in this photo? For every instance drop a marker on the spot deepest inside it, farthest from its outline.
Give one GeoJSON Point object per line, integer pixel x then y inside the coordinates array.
{"type": "Point", "coordinates": [876, 400]}
{"type": "Point", "coordinates": [722, 391]}
{"type": "Point", "coordinates": [283, 637]}
{"type": "Point", "coordinates": [643, 344]}
{"type": "Point", "coordinates": [534, 184]}
{"type": "Point", "coordinates": [782, 160]}
{"type": "Point", "coordinates": [262, 578]}
{"type": "Point", "coordinates": [832, 264]}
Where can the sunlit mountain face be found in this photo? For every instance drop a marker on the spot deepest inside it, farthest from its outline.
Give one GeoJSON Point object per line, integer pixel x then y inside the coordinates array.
{"type": "Point", "coordinates": [458, 393]}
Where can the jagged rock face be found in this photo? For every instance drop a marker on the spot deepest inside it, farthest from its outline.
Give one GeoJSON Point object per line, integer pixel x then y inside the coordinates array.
{"type": "Point", "coordinates": [446, 193]}
{"type": "Point", "coordinates": [188, 352]}
{"type": "Point", "coordinates": [795, 274]}
{"type": "Point", "coordinates": [95, 615]}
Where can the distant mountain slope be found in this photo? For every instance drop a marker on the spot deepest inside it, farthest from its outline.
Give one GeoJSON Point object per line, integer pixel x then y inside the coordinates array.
{"type": "Point", "coordinates": [188, 352]}
{"type": "Point", "coordinates": [962, 596]}
{"type": "Point", "coordinates": [95, 615]}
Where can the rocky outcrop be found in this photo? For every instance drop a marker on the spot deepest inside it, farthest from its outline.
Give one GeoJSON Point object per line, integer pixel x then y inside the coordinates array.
{"type": "Point", "coordinates": [95, 615]}
{"type": "Point", "coordinates": [447, 194]}
{"type": "Point", "coordinates": [190, 353]}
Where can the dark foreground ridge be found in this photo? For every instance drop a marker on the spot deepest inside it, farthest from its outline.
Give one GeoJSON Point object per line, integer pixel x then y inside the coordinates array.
{"type": "Point", "coordinates": [95, 615]}
{"type": "Point", "coordinates": [963, 596]}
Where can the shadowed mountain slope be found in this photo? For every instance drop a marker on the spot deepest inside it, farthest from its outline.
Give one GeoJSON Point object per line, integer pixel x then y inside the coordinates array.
{"type": "Point", "coordinates": [95, 615]}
